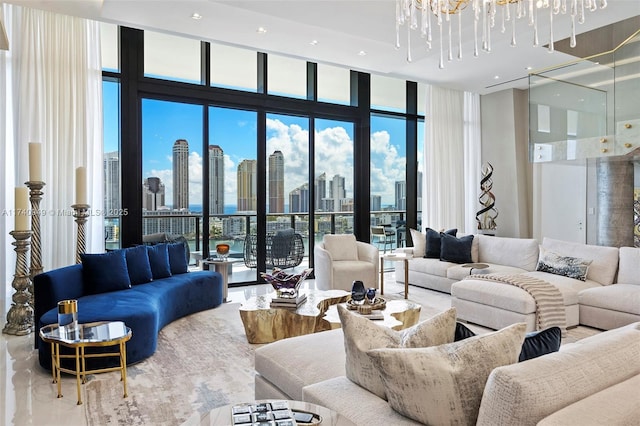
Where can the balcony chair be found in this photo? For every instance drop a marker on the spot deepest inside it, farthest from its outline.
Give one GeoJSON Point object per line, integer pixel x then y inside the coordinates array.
{"type": "Point", "coordinates": [340, 259]}
{"type": "Point", "coordinates": [285, 249]}
{"type": "Point", "coordinates": [382, 235]}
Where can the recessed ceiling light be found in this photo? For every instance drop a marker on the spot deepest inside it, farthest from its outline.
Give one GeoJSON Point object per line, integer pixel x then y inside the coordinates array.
{"type": "Point", "coordinates": [529, 68]}
{"type": "Point", "coordinates": [196, 16]}
{"type": "Point", "coordinates": [362, 53]}
{"type": "Point", "coordinates": [261, 30]}
{"type": "Point", "coordinates": [313, 42]}
{"type": "Point", "coordinates": [496, 77]}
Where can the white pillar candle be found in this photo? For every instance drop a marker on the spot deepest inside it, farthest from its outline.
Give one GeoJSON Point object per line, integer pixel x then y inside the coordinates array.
{"type": "Point", "coordinates": [22, 209]}
{"type": "Point", "coordinates": [81, 185]}
{"type": "Point", "coordinates": [35, 162]}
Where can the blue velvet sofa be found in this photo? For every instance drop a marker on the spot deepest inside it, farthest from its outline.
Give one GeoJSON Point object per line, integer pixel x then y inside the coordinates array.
{"type": "Point", "coordinates": [147, 287]}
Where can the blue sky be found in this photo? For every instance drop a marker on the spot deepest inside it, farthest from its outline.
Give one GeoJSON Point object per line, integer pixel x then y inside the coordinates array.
{"type": "Point", "coordinates": [235, 131]}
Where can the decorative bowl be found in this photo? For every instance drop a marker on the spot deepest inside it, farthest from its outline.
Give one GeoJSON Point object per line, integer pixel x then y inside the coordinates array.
{"type": "Point", "coordinates": [285, 284]}
{"type": "Point", "coordinates": [222, 250]}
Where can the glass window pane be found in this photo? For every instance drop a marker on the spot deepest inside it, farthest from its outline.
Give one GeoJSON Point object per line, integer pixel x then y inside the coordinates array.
{"type": "Point", "coordinates": [333, 179]}
{"type": "Point", "coordinates": [111, 162]}
{"type": "Point", "coordinates": [286, 76]}
{"type": "Point", "coordinates": [171, 57]}
{"type": "Point", "coordinates": [334, 84]}
{"type": "Point", "coordinates": [389, 94]}
{"type": "Point", "coordinates": [234, 68]}
{"type": "Point", "coordinates": [233, 139]}
{"type": "Point", "coordinates": [109, 43]}
{"type": "Point", "coordinates": [172, 170]}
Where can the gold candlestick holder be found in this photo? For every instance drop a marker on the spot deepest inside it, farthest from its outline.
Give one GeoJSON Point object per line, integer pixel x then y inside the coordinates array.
{"type": "Point", "coordinates": [81, 213]}
{"type": "Point", "coordinates": [35, 266]}
{"type": "Point", "coordinates": [20, 315]}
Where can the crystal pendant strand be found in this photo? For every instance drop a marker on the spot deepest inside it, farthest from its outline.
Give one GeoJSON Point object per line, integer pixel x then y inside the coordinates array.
{"type": "Point", "coordinates": [551, 47]}
{"type": "Point", "coordinates": [459, 36]}
{"type": "Point", "coordinates": [450, 54]}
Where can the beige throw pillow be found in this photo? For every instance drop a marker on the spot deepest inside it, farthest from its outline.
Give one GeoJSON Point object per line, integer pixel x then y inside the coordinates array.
{"type": "Point", "coordinates": [444, 384]}
{"type": "Point", "coordinates": [341, 247]}
{"type": "Point", "coordinates": [419, 242]}
{"type": "Point", "coordinates": [362, 335]}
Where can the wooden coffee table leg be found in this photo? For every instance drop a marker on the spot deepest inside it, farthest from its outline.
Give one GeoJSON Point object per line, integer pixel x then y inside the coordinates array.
{"type": "Point", "coordinates": [78, 374]}
{"type": "Point", "coordinates": [123, 365]}
{"type": "Point", "coordinates": [381, 275]}
{"type": "Point", "coordinates": [406, 278]}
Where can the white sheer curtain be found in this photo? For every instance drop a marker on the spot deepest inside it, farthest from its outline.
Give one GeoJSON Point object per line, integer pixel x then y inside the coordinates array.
{"type": "Point", "coordinates": [52, 86]}
{"type": "Point", "coordinates": [472, 159]}
{"type": "Point", "coordinates": [452, 159]}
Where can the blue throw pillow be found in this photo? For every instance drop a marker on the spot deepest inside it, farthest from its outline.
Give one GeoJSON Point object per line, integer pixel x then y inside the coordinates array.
{"type": "Point", "coordinates": [105, 271]}
{"type": "Point", "coordinates": [456, 250]}
{"type": "Point", "coordinates": [535, 344]}
{"type": "Point", "coordinates": [138, 265]}
{"type": "Point", "coordinates": [159, 260]}
{"type": "Point", "coordinates": [432, 250]}
{"type": "Point", "coordinates": [177, 258]}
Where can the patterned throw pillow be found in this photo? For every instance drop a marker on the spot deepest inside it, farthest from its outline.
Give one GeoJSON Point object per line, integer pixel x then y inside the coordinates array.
{"type": "Point", "coordinates": [572, 267]}
{"type": "Point", "coordinates": [444, 384]}
{"type": "Point", "coordinates": [362, 335]}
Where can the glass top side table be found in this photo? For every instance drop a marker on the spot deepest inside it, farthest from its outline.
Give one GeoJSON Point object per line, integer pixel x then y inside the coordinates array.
{"type": "Point", "coordinates": [96, 334]}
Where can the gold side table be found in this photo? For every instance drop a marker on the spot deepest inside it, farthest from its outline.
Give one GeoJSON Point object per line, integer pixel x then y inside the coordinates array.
{"type": "Point", "coordinates": [396, 257]}
{"type": "Point", "coordinates": [95, 334]}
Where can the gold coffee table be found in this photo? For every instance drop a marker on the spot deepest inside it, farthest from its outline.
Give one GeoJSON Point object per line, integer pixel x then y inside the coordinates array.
{"type": "Point", "coordinates": [95, 334]}
{"type": "Point", "coordinates": [264, 324]}
{"type": "Point", "coordinates": [398, 315]}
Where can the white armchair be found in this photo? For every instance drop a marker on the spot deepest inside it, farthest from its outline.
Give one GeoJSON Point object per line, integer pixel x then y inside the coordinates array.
{"type": "Point", "coordinates": [340, 259]}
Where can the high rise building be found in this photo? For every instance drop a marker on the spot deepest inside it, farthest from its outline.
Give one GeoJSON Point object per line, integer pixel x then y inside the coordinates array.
{"type": "Point", "coordinates": [152, 194]}
{"type": "Point", "coordinates": [299, 199]}
{"type": "Point", "coordinates": [111, 163]}
{"type": "Point", "coordinates": [247, 185]}
{"type": "Point", "coordinates": [336, 188]}
{"type": "Point", "coordinates": [276, 182]}
{"type": "Point", "coordinates": [320, 192]}
{"type": "Point", "coordinates": [216, 180]}
{"type": "Point", "coordinates": [181, 174]}
{"type": "Point", "coordinates": [401, 195]}
{"type": "Point", "coordinates": [376, 203]}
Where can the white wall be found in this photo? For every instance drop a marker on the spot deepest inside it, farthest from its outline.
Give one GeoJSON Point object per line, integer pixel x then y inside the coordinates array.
{"type": "Point", "coordinates": [505, 145]}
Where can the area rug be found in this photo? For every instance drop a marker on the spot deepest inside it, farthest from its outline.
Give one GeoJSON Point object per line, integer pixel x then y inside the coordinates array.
{"type": "Point", "coordinates": [202, 361]}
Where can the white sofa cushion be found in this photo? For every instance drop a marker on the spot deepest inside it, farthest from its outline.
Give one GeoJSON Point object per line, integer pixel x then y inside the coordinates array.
{"type": "Point", "coordinates": [444, 384]}
{"type": "Point", "coordinates": [341, 246]}
{"type": "Point", "coordinates": [629, 269]}
{"type": "Point", "coordinates": [362, 334]}
{"type": "Point", "coordinates": [430, 266]}
{"type": "Point", "coordinates": [569, 287]}
{"type": "Point", "coordinates": [604, 259]}
{"type": "Point", "coordinates": [459, 272]}
{"type": "Point", "coordinates": [527, 392]}
{"type": "Point", "coordinates": [616, 297]}
{"type": "Point", "coordinates": [517, 252]}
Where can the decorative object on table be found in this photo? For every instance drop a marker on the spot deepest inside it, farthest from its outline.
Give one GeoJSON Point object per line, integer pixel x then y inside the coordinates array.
{"type": "Point", "coordinates": [486, 216]}
{"type": "Point", "coordinates": [20, 315]}
{"type": "Point", "coordinates": [288, 302]}
{"type": "Point", "coordinates": [68, 314]}
{"type": "Point", "coordinates": [81, 210]}
{"type": "Point", "coordinates": [285, 284]}
{"type": "Point", "coordinates": [371, 295]}
{"type": "Point", "coordinates": [222, 250]}
{"type": "Point", "coordinates": [364, 309]}
{"type": "Point", "coordinates": [358, 292]}
{"type": "Point", "coordinates": [378, 304]}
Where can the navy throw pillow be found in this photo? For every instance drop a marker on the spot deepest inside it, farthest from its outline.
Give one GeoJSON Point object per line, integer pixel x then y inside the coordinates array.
{"type": "Point", "coordinates": [138, 265]}
{"type": "Point", "coordinates": [177, 258]}
{"type": "Point", "coordinates": [105, 271]}
{"type": "Point", "coordinates": [432, 250]}
{"type": "Point", "coordinates": [159, 260]}
{"type": "Point", "coordinates": [456, 250]}
{"type": "Point", "coordinates": [535, 344]}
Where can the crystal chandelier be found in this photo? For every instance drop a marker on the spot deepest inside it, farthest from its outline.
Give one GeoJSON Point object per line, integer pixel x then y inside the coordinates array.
{"type": "Point", "coordinates": [424, 14]}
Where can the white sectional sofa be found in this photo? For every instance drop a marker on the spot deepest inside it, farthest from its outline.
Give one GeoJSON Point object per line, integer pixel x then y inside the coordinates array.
{"type": "Point", "coordinates": [593, 381]}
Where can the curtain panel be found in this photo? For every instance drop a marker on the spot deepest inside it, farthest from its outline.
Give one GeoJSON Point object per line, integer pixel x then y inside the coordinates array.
{"type": "Point", "coordinates": [452, 158]}
{"type": "Point", "coordinates": [51, 81]}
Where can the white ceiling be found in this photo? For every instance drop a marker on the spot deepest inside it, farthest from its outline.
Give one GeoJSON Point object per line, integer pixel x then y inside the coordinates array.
{"type": "Point", "coordinates": [342, 29]}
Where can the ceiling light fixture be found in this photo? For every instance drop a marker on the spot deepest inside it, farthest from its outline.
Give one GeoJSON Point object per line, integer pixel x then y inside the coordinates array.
{"type": "Point", "coordinates": [196, 16]}
{"type": "Point", "coordinates": [313, 42]}
{"type": "Point", "coordinates": [484, 16]}
{"type": "Point", "coordinates": [362, 53]}
{"type": "Point", "coordinates": [261, 30]}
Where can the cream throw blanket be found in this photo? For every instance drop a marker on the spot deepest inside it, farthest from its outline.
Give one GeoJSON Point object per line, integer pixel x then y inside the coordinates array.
{"type": "Point", "coordinates": [550, 310]}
